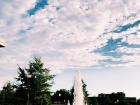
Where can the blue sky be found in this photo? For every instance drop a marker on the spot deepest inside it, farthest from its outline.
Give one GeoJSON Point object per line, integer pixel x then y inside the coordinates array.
{"type": "Point", "coordinates": [40, 4]}
{"type": "Point", "coordinates": [99, 37]}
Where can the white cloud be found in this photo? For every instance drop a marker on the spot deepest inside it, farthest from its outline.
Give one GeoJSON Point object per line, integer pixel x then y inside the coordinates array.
{"type": "Point", "coordinates": [65, 32]}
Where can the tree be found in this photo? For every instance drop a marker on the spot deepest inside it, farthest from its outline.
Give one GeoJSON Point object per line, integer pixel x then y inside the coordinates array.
{"type": "Point", "coordinates": [7, 95]}
{"type": "Point", "coordinates": [92, 101]}
{"type": "Point", "coordinates": [71, 95]}
{"type": "Point", "coordinates": [112, 99]}
{"type": "Point", "coordinates": [138, 102]}
{"type": "Point", "coordinates": [33, 84]}
{"type": "Point", "coordinates": [85, 92]}
{"type": "Point", "coordinates": [61, 96]}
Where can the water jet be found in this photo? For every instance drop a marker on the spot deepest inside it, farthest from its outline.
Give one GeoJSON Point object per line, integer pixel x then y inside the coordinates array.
{"type": "Point", "coordinates": [78, 90]}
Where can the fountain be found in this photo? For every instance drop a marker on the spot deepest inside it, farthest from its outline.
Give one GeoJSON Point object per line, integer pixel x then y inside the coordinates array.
{"type": "Point", "coordinates": [78, 90]}
{"type": "Point", "coordinates": [68, 103]}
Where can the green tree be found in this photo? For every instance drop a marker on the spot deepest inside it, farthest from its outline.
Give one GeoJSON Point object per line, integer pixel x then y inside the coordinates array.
{"type": "Point", "coordinates": [112, 99]}
{"type": "Point", "coordinates": [138, 102]}
{"type": "Point", "coordinates": [61, 96]}
{"type": "Point", "coordinates": [71, 95]}
{"type": "Point", "coordinates": [85, 92]}
{"type": "Point", "coordinates": [33, 84]}
{"type": "Point", "coordinates": [92, 101]}
{"type": "Point", "coordinates": [7, 95]}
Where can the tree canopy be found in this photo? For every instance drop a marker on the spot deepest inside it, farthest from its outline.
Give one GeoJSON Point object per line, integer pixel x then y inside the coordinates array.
{"type": "Point", "coordinates": [33, 84]}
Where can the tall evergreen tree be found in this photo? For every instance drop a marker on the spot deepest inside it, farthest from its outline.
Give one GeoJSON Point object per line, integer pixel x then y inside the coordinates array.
{"type": "Point", "coordinates": [34, 82]}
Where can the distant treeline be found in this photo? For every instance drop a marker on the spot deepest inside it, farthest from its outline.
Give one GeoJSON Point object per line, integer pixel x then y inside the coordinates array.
{"type": "Point", "coordinates": [62, 96]}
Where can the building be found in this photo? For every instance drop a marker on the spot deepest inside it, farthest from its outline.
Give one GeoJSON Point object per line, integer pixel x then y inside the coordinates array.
{"type": "Point", "coordinates": [2, 43]}
{"type": "Point", "coordinates": [118, 98]}
{"type": "Point", "coordinates": [132, 100]}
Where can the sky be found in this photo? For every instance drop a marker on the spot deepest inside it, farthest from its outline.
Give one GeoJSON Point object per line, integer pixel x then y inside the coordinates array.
{"type": "Point", "coordinates": [99, 37]}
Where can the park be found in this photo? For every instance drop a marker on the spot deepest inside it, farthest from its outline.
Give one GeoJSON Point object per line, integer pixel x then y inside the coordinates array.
{"type": "Point", "coordinates": [69, 52]}
{"type": "Point", "coordinates": [33, 84]}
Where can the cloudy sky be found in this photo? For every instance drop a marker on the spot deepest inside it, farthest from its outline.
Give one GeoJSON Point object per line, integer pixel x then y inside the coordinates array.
{"type": "Point", "coordinates": [99, 37]}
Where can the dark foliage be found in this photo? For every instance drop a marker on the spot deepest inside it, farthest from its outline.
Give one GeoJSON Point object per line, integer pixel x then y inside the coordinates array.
{"type": "Point", "coordinates": [61, 96]}
{"type": "Point", "coordinates": [34, 82]}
